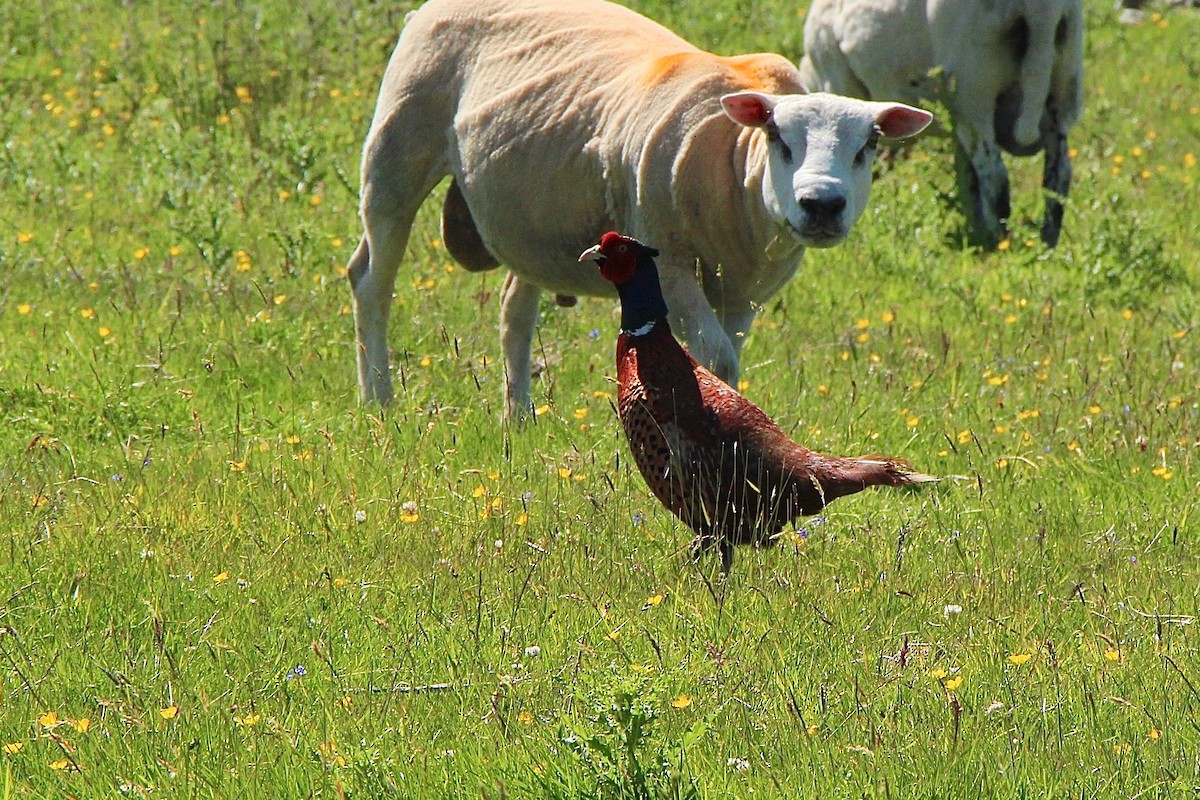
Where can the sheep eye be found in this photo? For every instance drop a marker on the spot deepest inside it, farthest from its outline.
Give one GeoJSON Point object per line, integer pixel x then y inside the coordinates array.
{"type": "Point", "coordinates": [868, 148]}
{"type": "Point", "coordinates": [774, 138]}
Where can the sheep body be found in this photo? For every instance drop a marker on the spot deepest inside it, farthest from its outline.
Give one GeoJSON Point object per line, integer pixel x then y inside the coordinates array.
{"type": "Point", "coordinates": [560, 119]}
{"type": "Point", "coordinates": [1013, 70]}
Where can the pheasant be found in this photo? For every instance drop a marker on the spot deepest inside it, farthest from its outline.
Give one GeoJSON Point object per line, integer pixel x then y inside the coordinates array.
{"type": "Point", "coordinates": [712, 457]}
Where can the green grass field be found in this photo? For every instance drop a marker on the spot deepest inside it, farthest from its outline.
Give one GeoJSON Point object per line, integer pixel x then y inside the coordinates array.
{"type": "Point", "coordinates": [220, 577]}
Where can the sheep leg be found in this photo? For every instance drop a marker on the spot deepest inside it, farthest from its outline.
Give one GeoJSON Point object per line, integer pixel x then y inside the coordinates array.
{"type": "Point", "coordinates": [518, 319]}
{"type": "Point", "coordinates": [372, 272]}
{"type": "Point", "coordinates": [983, 188]}
{"type": "Point", "coordinates": [736, 325]}
{"type": "Point", "coordinates": [372, 305]}
{"type": "Point", "coordinates": [1056, 181]}
{"type": "Point", "coordinates": [398, 172]}
{"type": "Point", "coordinates": [695, 321]}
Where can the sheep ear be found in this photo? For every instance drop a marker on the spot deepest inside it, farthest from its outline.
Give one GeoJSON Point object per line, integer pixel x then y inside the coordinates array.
{"type": "Point", "coordinates": [898, 121]}
{"type": "Point", "coordinates": [751, 109]}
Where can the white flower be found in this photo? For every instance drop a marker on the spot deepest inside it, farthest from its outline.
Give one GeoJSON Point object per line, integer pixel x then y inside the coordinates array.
{"type": "Point", "coordinates": [360, 516]}
{"type": "Point", "coordinates": [951, 609]}
{"type": "Point", "coordinates": [533, 651]}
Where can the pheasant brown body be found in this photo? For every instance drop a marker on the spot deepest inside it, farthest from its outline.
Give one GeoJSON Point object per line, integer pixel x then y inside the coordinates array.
{"type": "Point", "coordinates": [712, 457]}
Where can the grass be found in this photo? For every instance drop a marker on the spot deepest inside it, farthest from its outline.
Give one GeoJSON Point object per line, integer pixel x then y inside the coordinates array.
{"type": "Point", "coordinates": [222, 578]}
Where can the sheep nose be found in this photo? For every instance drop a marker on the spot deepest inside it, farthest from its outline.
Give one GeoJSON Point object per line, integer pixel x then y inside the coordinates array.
{"type": "Point", "coordinates": [823, 209]}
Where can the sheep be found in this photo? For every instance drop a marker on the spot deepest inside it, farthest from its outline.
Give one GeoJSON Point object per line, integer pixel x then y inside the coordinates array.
{"type": "Point", "coordinates": [1011, 77]}
{"type": "Point", "coordinates": [557, 121]}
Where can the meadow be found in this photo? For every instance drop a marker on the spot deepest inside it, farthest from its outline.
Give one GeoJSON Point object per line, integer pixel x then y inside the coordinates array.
{"type": "Point", "coordinates": [222, 577]}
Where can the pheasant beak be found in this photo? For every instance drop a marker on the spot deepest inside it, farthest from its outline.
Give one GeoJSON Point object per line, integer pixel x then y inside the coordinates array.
{"type": "Point", "coordinates": [593, 253]}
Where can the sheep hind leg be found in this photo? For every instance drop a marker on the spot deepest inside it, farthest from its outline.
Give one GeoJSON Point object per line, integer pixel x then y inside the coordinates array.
{"type": "Point", "coordinates": [372, 272]}
{"type": "Point", "coordinates": [1056, 182]}
{"type": "Point", "coordinates": [394, 187]}
{"type": "Point", "coordinates": [518, 320]}
{"type": "Point", "coordinates": [983, 190]}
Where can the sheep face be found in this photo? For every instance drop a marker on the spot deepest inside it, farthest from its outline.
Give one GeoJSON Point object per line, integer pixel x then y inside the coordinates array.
{"type": "Point", "coordinates": [819, 152]}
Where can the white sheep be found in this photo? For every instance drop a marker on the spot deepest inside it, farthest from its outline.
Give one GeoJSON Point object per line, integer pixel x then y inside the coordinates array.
{"type": "Point", "coordinates": [1014, 69]}
{"type": "Point", "coordinates": [559, 120]}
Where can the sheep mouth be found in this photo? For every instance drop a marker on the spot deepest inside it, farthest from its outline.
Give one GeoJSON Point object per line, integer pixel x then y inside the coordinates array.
{"type": "Point", "coordinates": [815, 234]}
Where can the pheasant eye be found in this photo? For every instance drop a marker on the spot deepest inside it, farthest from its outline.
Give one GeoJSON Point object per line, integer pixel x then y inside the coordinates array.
{"type": "Point", "coordinates": [622, 249]}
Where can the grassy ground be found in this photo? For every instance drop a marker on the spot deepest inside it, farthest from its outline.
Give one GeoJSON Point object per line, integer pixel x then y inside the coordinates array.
{"type": "Point", "coordinates": [221, 578]}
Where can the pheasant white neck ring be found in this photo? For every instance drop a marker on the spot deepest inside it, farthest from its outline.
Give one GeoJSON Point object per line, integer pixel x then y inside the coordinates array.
{"type": "Point", "coordinates": [643, 330]}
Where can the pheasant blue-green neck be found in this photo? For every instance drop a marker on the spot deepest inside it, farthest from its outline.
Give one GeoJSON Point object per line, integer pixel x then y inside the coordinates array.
{"type": "Point", "coordinates": [642, 303]}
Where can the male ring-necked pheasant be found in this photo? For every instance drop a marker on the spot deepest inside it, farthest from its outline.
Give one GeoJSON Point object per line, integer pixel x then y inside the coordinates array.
{"type": "Point", "coordinates": [711, 456]}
